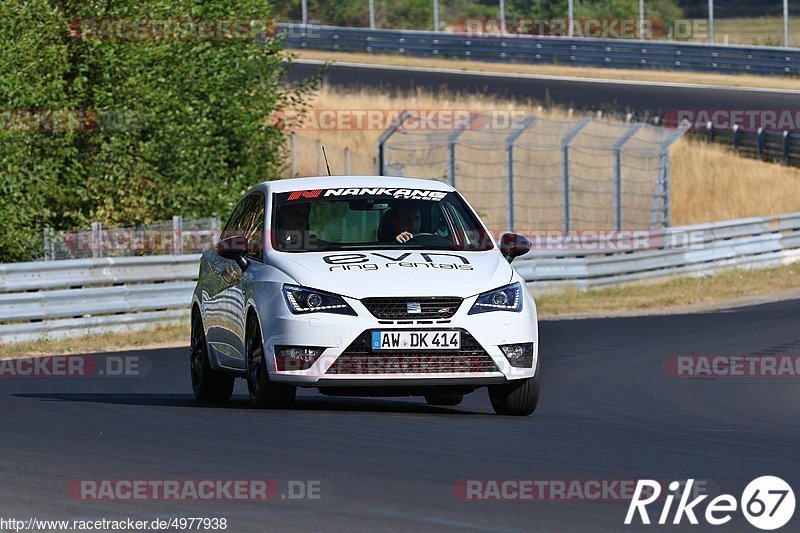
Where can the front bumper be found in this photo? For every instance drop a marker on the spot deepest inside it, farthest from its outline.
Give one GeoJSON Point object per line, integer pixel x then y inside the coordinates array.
{"type": "Point", "coordinates": [346, 361]}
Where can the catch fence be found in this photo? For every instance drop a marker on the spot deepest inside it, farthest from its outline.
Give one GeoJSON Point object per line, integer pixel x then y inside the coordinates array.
{"type": "Point", "coordinates": [535, 173]}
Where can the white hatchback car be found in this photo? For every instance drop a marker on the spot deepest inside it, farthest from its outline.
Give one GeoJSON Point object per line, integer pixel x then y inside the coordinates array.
{"type": "Point", "coordinates": [366, 286]}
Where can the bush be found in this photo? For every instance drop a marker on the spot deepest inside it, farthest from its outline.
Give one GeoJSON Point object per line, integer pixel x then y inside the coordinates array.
{"type": "Point", "coordinates": [174, 126]}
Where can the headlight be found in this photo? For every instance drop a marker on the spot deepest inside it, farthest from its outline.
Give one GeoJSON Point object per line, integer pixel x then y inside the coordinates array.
{"type": "Point", "coordinates": [302, 300]}
{"type": "Point", "coordinates": [508, 298]}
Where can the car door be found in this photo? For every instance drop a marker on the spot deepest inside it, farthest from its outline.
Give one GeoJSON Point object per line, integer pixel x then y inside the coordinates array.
{"type": "Point", "coordinates": [227, 305]}
{"type": "Point", "coordinates": [236, 294]}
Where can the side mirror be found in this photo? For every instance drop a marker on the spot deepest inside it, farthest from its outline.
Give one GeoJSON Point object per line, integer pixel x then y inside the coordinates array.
{"type": "Point", "coordinates": [513, 245]}
{"type": "Point", "coordinates": [234, 248]}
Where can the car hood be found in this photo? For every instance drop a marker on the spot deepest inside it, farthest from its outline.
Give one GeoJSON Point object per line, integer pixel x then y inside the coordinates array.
{"type": "Point", "coordinates": [396, 272]}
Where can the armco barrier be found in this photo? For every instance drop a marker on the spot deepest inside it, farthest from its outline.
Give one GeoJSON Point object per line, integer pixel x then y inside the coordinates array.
{"type": "Point", "coordinates": [589, 52]}
{"type": "Point", "coordinates": [699, 250]}
{"type": "Point", "coordinates": [77, 297]}
{"type": "Point", "coordinates": [58, 299]}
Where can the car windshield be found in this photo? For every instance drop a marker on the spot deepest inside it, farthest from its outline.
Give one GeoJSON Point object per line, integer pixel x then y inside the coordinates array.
{"type": "Point", "coordinates": [374, 218]}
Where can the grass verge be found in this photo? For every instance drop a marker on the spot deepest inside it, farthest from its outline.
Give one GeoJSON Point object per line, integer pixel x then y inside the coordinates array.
{"type": "Point", "coordinates": [684, 294]}
{"type": "Point", "coordinates": [160, 337]}
{"type": "Point", "coordinates": [660, 76]}
{"type": "Point", "coordinates": [732, 287]}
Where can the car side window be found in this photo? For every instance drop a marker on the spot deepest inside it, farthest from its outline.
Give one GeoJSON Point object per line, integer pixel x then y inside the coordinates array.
{"type": "Point", "coordinates": [253, 226]}
{"type": "Point", "coordinates": [234, 225]}
{"type": "Point", "coordinates": [247, 220]}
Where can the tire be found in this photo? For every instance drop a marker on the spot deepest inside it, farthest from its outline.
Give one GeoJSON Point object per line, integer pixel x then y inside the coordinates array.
{"type": "Point", "coordinates": [444, 399]}
{"type": "Point", "coordinates": [516, 398]}
{"type": "Point", "coordinates": [207, 383]}
{"type": "Point", "coordinates": [264, 393]}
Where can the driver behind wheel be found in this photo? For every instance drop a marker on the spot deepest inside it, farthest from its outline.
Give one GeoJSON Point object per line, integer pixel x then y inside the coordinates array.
{"type": "Point", "coordinates": [406, 222]}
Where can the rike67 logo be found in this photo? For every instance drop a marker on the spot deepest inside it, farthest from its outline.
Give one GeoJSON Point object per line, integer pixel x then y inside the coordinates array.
{"type": "Point", "coordinates": [767, 503]}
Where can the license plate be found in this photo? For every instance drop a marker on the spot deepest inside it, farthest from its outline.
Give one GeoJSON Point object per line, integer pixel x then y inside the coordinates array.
{"type": "Point", "coordinates": [416, 340]}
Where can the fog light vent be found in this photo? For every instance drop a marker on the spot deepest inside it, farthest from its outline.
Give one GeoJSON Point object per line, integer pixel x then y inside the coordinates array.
{"type": "Point", "coordinates": [296, 357]}
{"type": "Point", "coordinates": [519, 355]}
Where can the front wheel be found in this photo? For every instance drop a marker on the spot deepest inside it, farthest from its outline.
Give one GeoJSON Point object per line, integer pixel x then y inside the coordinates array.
{"type": "Point", "coordinates": [207, 383]}
{"type": "Point", "coordinates": [518, 397]}
{"type": "Point", "coordinates": [264, 393]}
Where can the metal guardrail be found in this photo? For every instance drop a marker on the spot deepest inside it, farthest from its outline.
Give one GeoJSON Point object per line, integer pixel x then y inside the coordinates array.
{"type": "Point", "coordinates": [686, 250]}
{"type": "Point", "coordinates": [75, 297]}
{"type": "Point", "coordinates": [587, 52]}
{"type": "Point", "coordinates": [765, 145]}
{"type": "Point", "coordinates": [88, 296]}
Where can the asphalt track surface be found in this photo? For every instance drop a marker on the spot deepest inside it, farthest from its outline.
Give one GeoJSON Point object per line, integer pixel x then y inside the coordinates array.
{"type": "Point", "coordinates": [585, 95]}
{"type": "Point", "coordinates": [608, 411]}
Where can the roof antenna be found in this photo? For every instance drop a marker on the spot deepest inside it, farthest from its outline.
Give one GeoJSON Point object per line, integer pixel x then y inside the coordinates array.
{"type": "Point", "coordinates": [326, 160]}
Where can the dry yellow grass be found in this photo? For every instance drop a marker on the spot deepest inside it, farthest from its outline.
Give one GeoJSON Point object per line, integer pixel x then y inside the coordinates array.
{"type": "Point", "coordinates": [682, 294]}
{"type": "Point", "coordinates": [709, 182]}
{"type": "Point", "coordinates": [765, 31]}
{"type": "Point", "coordinates": [160, 337]}
{"type": "Point", "coordinates": [728, 80]}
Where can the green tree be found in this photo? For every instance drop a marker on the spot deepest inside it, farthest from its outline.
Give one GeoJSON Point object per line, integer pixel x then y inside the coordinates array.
{"type": "Point", "coordinates": [182, 124]}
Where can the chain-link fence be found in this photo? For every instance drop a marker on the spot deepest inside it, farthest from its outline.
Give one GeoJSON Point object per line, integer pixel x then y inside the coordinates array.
{"type": "Point", "coordinates": [763, 23]}
{"type": "Point", "coordinates": [305, 158]}
{"type": "Point", "coordinates": [174, 237]}
{"type": "Point", "coordinates": [541, 174]}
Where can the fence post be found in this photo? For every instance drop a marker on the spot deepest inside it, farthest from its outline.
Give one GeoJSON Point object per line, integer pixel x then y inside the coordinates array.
{"type": "Point", "coordinates": [786, 134]}
{"type": "Point", "coordinates": [666, 219]}
{"type": "Point", "coordinates": [293, 149]}
{"type": "Point", "coordinates": [388, 132]}
{"type": "Point", "coordinates": [97, 233]}
{"type": "Point", "coordinates": [630, 132]}
{"type": "Point", "coordinates": [177, 235]}
{"type": "Point", "coordinates": [786, 23]}
{"type": "Point", "coordinates": [577, 127]}
{"type": "Point", "coordinates": [49, 245]}
{"type": "Point", "coordinates": [451, 163]}
{"type": "Point", "coordinates": [452, 141]}
{"type": "Point", "coordinates": [319, 158]}
{"type": "Point", "coordinates": [711, 38]}
{"type": "Point", "coordinates": [663, 181]}
{"type": "Point", "coordinates": [760, 144]}
{"type": "Point", "coordinates": [510, 140]}
{"type": "Point", "coordinates": [347, 161]}
{"type": "Point", "coordinates": [215, 227]}
{"type": "Point", "coordinates": [736, 138]}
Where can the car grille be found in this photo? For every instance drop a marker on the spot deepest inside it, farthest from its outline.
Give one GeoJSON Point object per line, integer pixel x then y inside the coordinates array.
{"type": "Point", "coordinates": [397, 308]}
{"type": "Point", "coordinates": [359, 358]}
